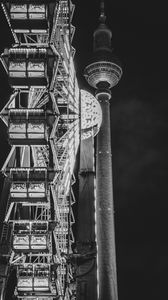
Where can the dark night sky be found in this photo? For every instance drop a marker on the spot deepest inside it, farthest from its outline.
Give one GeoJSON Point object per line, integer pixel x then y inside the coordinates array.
{"type": "Point", "coordinates": [139, 139]}
{"type": "Point", "coordinates": [139, 136]}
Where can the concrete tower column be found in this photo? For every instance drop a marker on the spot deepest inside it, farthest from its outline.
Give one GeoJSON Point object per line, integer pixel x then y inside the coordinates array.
{"type": "Point", "coordinates": [104, 206]}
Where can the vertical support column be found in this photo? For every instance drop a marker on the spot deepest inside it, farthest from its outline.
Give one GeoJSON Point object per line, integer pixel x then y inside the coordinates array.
{"type": "Point", "coordinates": [104, 206]}
{"type": "Point", "coordinates": [86, 284]}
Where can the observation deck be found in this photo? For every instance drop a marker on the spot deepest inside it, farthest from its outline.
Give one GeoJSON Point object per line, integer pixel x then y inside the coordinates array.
{"type": "Point", "coordinates": [103, 71]}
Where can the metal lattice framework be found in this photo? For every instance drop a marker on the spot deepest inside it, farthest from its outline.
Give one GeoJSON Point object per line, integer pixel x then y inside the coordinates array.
{"type": "Point", "coordinates": [42, 119]}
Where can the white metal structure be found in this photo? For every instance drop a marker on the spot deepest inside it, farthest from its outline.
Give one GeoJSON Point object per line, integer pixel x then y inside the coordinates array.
{"type": "Point", "coordinates": [42, 119]}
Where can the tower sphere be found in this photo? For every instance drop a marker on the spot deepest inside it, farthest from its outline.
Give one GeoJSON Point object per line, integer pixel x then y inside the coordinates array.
{"type": "Point", "coordinates": [103, 71]}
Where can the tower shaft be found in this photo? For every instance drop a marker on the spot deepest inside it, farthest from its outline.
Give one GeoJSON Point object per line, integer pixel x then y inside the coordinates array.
{"type": "Point", "coordinates": [104, 207]}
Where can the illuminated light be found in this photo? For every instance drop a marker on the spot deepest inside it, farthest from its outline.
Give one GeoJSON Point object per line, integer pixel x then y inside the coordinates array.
{"type": "Point", "coordinates": [91, 115]}
{"type": "Point", "coordinates": [34, 66]}
{"type": "Point", "coordinates": [17, 66]}
{"type": "Point", "coordinates": [69, 117]}
{"type": "Point", "coordinates": [18, 8]}
{"type": "Point", "coordinates": [27, 51]}
{"type": "Point", "coordinates": [67, 42]}
{"type": "Point", "coordinates": [21, 86]}
{"type": "Point", "coordinates": [21, 242]}
{"type": "Point", "coordinates": [64, 89]}
{"type": "Point", "coordinates": [21, 30]}
{"type": "Point", "coordinates": [23, 11]}
{"type": "Point", "coordinates": [95, 217]}
{"type": "Point", "coordinates": [65, 66]}
{"type": "Point", "coordinates": [71, 99]}
{"type": "Point", "coordinates": [66, 49]}
{"type": "Point", "coordinates": [71, 82]}
{"type": "Point", "coordinates": [38, 31]}
{"type": "Point", "coordinates": [37, 8]}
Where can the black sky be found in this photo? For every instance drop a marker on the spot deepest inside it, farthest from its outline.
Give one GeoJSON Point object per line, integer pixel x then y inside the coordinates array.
{"type": "Point", "coordinates": [139, 110]}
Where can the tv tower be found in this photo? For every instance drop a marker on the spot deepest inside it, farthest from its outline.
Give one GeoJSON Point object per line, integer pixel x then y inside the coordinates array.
{"type": "Point", "coordinates": [103, 73]}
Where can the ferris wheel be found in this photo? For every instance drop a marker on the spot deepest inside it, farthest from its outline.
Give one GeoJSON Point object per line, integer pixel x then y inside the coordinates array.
{"type": "Point", "coordinates": [47, 118]}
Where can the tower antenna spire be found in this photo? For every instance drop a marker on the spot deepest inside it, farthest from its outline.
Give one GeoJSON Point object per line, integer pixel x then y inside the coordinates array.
{"type": "Point", "coordinates": [102, 17]}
